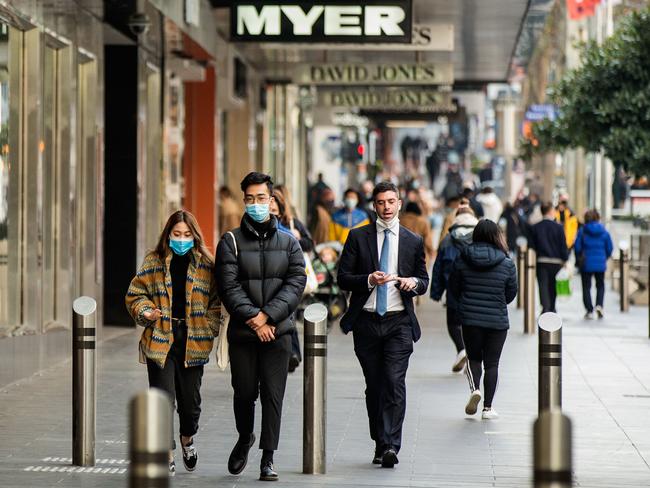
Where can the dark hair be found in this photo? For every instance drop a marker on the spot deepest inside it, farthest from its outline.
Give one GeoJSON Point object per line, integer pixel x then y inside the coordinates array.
{"type": "Point", "coordinates": [382, 187]}
{"type": "Point", "coordinates": [351, 190]}
{"type": "Point", "coordinates": [413, 207]}
{"type": "Point", "coordinates": [592, 215]}
{"type": "Point", "coordinates": [546, 207]}
{"type": "Point", "coordinates": [285, 212]}
{"type": "Point", "coordinates": [162, 248]}
{"type": "Point", "coordinates": [255, 178]}
{"type": "Point", "coordinates": [225, 191]}
{"type": "Point", "coordinates": [490, 233]}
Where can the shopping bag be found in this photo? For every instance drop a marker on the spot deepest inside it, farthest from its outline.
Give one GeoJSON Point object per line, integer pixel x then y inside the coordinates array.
{"type": "Point", "coordinates": [563, 283]}
{"type": "Point", "coordinates": [312, 281]}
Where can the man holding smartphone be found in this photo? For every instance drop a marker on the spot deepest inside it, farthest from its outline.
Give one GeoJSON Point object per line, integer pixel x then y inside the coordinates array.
{"type": "Point", "coordinates": [383, 265]}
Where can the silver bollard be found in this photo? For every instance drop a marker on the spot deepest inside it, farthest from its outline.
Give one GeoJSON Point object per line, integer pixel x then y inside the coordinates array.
{"type": "Point", "coordinates": [529, 292]}
{"type": "Point", "coordinates": [552, 450]}
{"type": "Point", "coordinates": [550, 362]}
{"type": "Point", "coordinates": [150, 414]}
{"type": "Point", "coordinates": [315, 390]}
{"type": "Point", "coordinates": [522, 246]}
{"type": "Point", "coordinates": [624, 277]}
{"type": "Point", "coordinates": [84, 381]}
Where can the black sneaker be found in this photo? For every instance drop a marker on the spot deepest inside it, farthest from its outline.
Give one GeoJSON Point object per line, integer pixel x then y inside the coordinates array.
{"type": "Point", "coordinates": [267, 473]}
{"type": "Point", "coordinates": [239, 456]}
{"type": "Point", "coordinates": [389, 459]}
{"type": "Point", "coordinates": [190, 456]}
{"type": "Point", "coordinates": [379, 452]}
{"type": "Point", "coordinates": [294, 362]}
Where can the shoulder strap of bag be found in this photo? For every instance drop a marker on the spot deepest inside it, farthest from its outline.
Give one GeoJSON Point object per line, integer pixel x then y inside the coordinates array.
{"type": "Point", "coordinates": [234, 241]}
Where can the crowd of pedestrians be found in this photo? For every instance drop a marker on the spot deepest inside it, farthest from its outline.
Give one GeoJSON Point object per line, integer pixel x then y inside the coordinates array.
{"type": "Point", "coordinates": [386, 239]}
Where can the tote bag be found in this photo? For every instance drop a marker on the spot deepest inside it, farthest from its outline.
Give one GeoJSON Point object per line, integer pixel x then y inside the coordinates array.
{"type": "Point", "coordinates": [223, 357]}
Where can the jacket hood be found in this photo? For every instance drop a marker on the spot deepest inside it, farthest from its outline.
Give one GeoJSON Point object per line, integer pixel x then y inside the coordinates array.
{"type": "Point", "coordinates": [482, 255]}
{"type": "Point", "coordinates": [488, 199]}
{"type": "Point", "coordinates": [466, 220]}
{"type": "Point", "coordinates": [461, 234]}
{"type": "Point", "coordinates": [594, 229]}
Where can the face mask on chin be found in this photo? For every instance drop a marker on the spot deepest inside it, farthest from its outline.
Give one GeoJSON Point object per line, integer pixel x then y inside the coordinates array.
{"type": "Point", "coordinates": [391, 222]}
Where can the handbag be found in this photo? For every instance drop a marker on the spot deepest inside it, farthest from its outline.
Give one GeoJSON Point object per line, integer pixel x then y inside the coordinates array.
{"type": "Point", "coordinates": [312, 282]}
{"type": "Point", "coordinates": [223, 356]}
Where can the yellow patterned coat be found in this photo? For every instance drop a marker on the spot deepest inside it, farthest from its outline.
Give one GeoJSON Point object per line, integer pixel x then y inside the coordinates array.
{"type": "Point", "coordinates": [152, 288]}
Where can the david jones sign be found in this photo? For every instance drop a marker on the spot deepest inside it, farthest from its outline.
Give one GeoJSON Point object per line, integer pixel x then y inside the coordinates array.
{"type": "Point", "coordinates": [375, 74]}
{"type": "Point", "coordinates": [388, 21]}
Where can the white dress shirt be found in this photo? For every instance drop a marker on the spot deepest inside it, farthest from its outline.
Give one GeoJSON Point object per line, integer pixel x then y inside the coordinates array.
{"type": "Point", "coordinates": [395, 303]}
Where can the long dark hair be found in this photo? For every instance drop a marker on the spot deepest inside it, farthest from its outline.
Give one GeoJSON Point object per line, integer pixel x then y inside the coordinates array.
{"type": "Point", "coordinates": [162, 249]}
{"type": "Point", "coordinates": [490, 233]}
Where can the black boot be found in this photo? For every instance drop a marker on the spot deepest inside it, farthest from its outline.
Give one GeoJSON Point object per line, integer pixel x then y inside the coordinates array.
{"type": "Point", "coordinates": [239, 455]}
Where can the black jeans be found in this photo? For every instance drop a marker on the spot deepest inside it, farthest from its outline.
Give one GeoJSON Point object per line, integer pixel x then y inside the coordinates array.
{"type": "Point", "coordinates": [546, 280]}
{"type": "Point", "coordinates": [383, 347]}
{"type": "Point", "coordinates": [454, 329]}
{"type": "Point", "coordinates": [484, 345]}
{"type": "Point", "coordinates": [260, 368]}
{"type": "Point", "coordinates": [180, 383]}
{"type": "Point", "coordinates": [586, 289]}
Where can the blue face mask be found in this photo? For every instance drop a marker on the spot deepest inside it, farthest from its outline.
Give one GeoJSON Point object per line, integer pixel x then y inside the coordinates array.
{"type": "Point", "coordinates": [259, 212]}
{"type": "Point", "coordinates": [181, 246]}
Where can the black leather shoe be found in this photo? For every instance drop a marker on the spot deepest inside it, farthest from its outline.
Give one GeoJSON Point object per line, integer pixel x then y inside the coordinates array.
{"type": "Point", "coordinates": [294, 362]}
{"type": "Point", "coordinates": [389, 459]}
{"type": "Point", "coordinates": [267, 473]}
{"type": "Point", "coordinates": [379, 453]}
{"type": "Point", "coordinates": [239, 456]}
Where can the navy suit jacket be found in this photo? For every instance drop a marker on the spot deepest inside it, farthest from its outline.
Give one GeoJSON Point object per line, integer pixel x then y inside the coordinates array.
{"type": "Point", "coordinates": [360, 258]}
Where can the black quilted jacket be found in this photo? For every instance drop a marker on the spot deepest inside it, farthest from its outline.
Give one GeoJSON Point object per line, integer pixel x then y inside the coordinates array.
{"type": "Point", "coordinates": [483, 282]}
{"type": "Point", "coordinates": [266, 273]}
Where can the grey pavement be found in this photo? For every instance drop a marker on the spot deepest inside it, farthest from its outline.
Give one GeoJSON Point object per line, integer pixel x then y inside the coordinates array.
{"type": "Point", "coordinates": [606, 394]}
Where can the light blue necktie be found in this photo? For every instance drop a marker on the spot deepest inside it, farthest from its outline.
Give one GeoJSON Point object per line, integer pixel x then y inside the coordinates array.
{"type": "Point", "coordinates": [382, 290]}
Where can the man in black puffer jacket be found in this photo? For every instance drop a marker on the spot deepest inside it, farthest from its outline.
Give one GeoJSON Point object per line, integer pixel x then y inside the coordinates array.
{"type": "Point", "coordinates": [260, 275]}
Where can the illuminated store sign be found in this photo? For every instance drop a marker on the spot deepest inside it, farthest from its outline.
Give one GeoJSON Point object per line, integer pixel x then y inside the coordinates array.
{"type": "Point", "coordinates": [388, 99]}
{"type": "Point", "coordinates": [375, 74]}
{"type": "Point", "coordinates": [387, 21]}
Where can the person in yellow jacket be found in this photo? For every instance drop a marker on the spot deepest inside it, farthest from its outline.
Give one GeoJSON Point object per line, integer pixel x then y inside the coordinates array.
{"type": "Point", "coordinates": [174, 298]}
{"type": "Point", "coordinates": [565, 216]}
{"type": "Point", "coordinates": [348, 218]}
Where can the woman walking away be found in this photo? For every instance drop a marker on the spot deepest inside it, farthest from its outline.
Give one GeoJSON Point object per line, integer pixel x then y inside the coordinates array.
{"type": "Point", "coordinates": [593, 247]}
{"type": "Point", "coordinates": [174, 297]}
{"type": "Point", "coordinates": [459, 237]}
{"type": "Point", "coordinates": [483, 282]}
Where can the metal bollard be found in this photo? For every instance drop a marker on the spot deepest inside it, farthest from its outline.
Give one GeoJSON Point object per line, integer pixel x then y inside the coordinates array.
{"type": "Point", "coordinates": [550, 362]}
{"type": "Point", "coordinates": [315, 390]}
{"type": "Point", "coordinates": [552, 450]}
{"type": "Point", "coordinates": [529, 292]}
{"type": "Point", "coordinates": [522, 246]}
{"type": "Point", "coordinates": [84, 381]}
{"type": "Point", "coordinates": [150, 414]}
{"type": "Point", "coordinates": [624, 277]}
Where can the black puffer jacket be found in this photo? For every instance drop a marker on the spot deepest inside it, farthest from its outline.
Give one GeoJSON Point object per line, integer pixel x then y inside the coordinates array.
{"type": "Point", "coordinates": [267, 274]}
{"type": "Point", "coordinates": [483, 282]}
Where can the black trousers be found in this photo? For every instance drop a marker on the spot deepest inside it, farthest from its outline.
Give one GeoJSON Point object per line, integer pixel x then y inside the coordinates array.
{"type": "Point", "coordinates": [383, 347]}
{"type": "Point", "coordinates": [454, 329]}
{"type": "Point", "coordinates": [260, 368]}
{"type": "Point", "coordinates": [484, 346]}
{"type": "Point", "coordinates": [586, 289]}
{"type": "Point", "coordinates": [546, 280]}
{"type": "Point", "coordinates": [181, 383]}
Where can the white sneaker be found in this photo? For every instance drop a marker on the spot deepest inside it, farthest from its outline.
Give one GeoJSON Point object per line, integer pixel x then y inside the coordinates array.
{"type": "Point", "coordinates": [172, 467]}
{"type": "Point", "coordinates": [472, 403]}
{"type": "Point", "coordinates": [589, 316]}
{"type": "Point", "coordinates": [599, 312]}
{"type": "Point", "coordinates": [489, 414]}
{"type": "Point", "coordinates": [459, 363]}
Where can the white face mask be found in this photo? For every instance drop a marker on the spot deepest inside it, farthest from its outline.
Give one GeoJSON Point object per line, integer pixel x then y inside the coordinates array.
{"type": "Point", "coordinates": [391, 221]}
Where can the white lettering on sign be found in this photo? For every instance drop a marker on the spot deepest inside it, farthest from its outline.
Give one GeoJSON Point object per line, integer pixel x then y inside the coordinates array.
{"type": "Point", "coordinates": [384, 19]}
{"type": "Point", "coordinates": [342, 21]}
{"type": "Point", "coordinates": [303, 24]}
{"type": "Point", "coordinates": [338, 20]}
{"type": "Point", "coordinates": [267, 20]}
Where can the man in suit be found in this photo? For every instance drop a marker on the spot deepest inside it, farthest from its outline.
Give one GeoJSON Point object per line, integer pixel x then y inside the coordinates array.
{"type": "Point", "coordinates": [383, 265]}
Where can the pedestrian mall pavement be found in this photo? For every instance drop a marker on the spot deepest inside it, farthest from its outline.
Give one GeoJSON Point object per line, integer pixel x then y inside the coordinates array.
{"type": "Point", "coordinates": [606, 394]}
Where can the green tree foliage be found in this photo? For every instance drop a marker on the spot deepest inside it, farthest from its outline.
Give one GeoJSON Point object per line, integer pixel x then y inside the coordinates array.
{"type": "Point", "coordinates": [605, 103]}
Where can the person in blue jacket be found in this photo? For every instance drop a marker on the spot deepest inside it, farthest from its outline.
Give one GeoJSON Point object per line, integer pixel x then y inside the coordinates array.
{"type": "Point", "coordinates": [460, 236]}
{"type": "Point", "coordinates": [593, 247]}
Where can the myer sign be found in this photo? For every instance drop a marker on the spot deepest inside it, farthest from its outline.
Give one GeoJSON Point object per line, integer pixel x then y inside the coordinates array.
{"type": "Point", "coordinates": [375, 74]}
{"type": "Point", "coordinates": [388, 21]}
{"type": "Point", "coordinates": [388, 99]}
